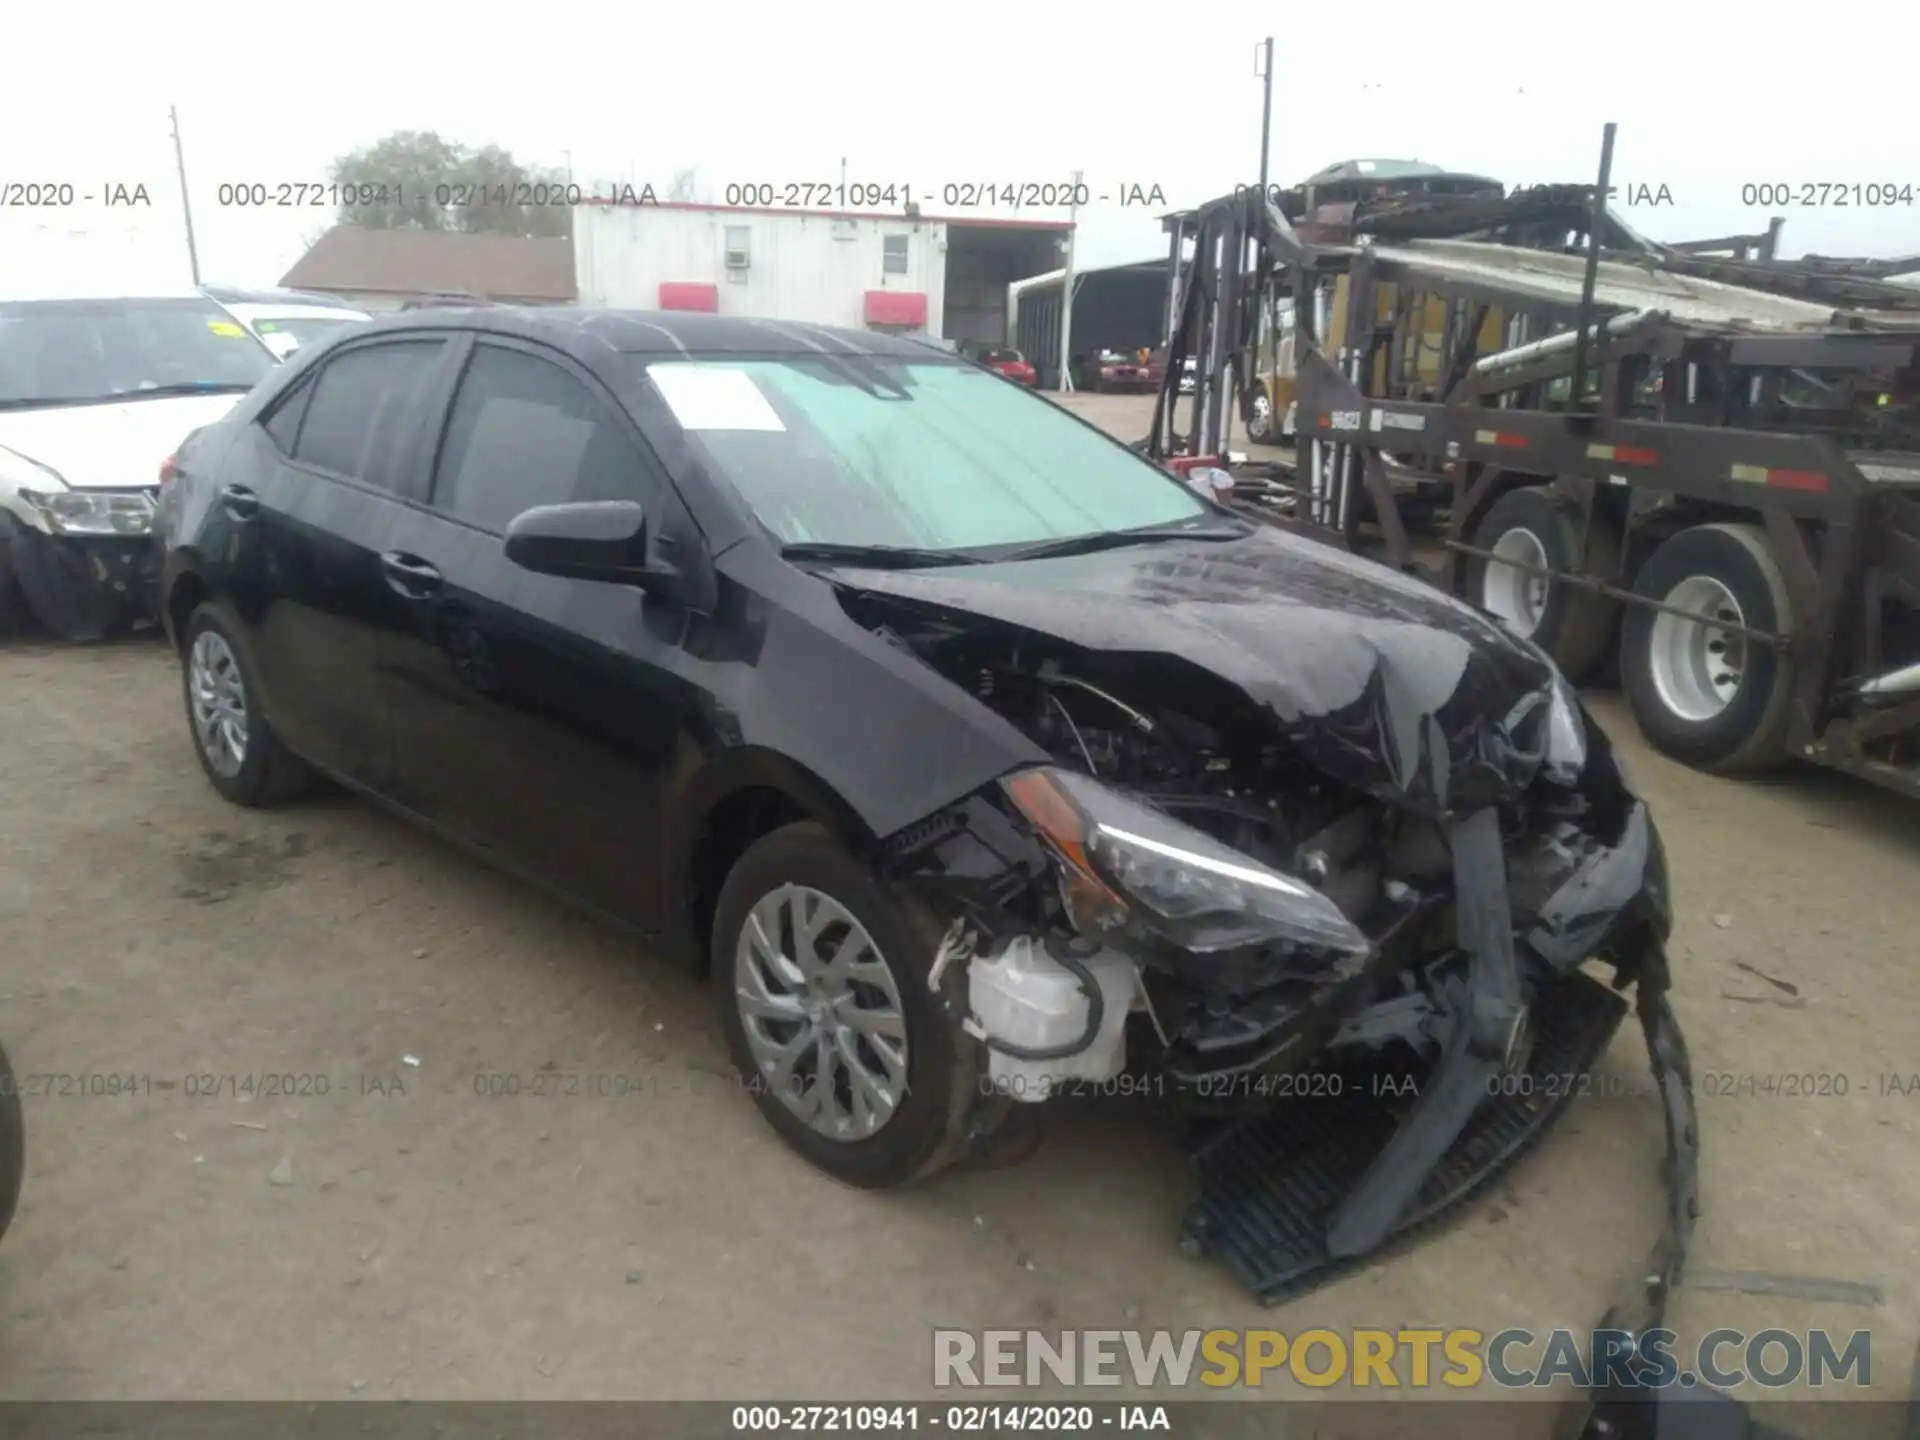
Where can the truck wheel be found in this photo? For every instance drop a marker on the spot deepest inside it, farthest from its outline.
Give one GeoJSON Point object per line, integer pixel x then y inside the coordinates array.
{"type": "Point", "coordinates": [1260, 419]}
{"type": "Point", "coordinates": [1705, 695]}
{"type": "Point", "coordinates": [13, 1143]}
{"type": "Point", "coordinates": [1571, 624]}
{"type": "Point", "coordinates": [821, 973]}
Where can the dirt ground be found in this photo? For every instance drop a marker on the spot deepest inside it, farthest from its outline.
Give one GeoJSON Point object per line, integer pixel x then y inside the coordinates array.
{"type": "Point", "coordinates": [388, 1230]}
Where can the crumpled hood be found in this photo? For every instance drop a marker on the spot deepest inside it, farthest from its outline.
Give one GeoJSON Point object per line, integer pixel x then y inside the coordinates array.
{"type": "Point", "coordinates": [1379, 680]}
{"type": "Point", "coordinates": [113, 446]}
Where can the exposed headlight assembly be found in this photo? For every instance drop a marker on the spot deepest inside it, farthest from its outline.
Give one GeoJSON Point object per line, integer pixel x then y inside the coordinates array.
{"type": "Point", "coordinates": [93, 512]}
{"type": "Point", "coordinates": [1122, 862]}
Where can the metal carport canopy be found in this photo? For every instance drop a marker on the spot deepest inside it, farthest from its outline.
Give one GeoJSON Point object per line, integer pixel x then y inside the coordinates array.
{"type": "Point", "coordinates": [1033, 311]}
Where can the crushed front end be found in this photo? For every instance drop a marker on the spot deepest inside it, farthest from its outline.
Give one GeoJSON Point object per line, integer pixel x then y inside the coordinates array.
{"type": "Point", "coordinates": [84, 559]}
{"type": "Point", "coordinates": [1367, 1000]}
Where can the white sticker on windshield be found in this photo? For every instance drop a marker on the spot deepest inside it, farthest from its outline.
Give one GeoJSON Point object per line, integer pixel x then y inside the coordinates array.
{"type": "Point", "coordinates": [703, 397]}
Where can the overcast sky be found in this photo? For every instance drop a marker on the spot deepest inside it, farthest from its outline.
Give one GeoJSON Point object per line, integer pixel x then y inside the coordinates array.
{"type": "Point", "coordinates": [1708, 99]}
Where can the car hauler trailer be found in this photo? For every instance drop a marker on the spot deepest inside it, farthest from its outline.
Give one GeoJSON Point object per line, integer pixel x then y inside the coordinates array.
{"type": "Point", "coordinates": [1728, 500]}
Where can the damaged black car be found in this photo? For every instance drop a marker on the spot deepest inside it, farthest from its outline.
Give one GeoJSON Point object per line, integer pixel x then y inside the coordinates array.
{"type": "Point", "coordinates": [977, 759]}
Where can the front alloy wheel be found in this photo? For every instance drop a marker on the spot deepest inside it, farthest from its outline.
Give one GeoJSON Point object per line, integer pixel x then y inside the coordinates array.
{"type": "Point", "coordinates": [821, 969]}
{"type": "Point", "coordinates": [820, 1009]}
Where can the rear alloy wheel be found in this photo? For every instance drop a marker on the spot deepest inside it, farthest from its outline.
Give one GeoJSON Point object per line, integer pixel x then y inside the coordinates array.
{"type": "Point", "coordinates": [1528, 530]}
{"type": "Point", "coordinates": [1701, 690]}
{"type": "Point", "coordinates": [238, 749]}
{"type": "Point", "coordinates": [821, 972]}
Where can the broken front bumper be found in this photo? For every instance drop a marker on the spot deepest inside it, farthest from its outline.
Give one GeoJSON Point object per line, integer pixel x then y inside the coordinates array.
{"type": "Point", "coordinates": [1293, 1193]}
{"type": "Point", "coordinates": [1503, 1029]}
{"type": "Point", "coordinates": [85, 587]}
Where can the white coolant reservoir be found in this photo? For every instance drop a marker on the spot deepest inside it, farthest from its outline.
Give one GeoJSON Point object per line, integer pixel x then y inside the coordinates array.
{"type": "Point", "coordinates": [1022, 996]}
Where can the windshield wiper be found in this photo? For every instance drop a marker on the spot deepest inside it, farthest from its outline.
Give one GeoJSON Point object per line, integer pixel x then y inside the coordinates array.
{"type": "Point", "coordinates": [1118, 539]}
{"type": "Point", "coordinates": [875, 557]}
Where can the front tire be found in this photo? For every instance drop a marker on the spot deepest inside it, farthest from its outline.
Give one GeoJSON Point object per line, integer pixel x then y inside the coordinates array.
{"type": "Point", "coordinates": [1709, 697]}
{"type": "Point", "coordinates": [1573, 625]}
{"type": "Point", "coordinates": [14, 614]}
{"type": "Point", "coordinates": [242, 756]}
{"type": "Point", "coordinates": [821, 975]}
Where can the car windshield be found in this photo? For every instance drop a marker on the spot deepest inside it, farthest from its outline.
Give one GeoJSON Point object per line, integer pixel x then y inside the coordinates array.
{"type": "Point", "coordinates": [1002, 357]}
{"type": "Point", "coordinates": [55, 352]}
{"type": "Point", "coordinates": [309, 330]}
{"type": "Point", "coordinates": [872, 451]}
{"type": "Point", "coordinates": [1116, 357]}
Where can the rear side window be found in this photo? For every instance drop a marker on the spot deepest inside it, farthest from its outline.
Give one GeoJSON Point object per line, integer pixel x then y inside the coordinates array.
{"type": "Point", "coordinates": [361, 402]}
{"type": "Point", "coordinates": [283, 425]}
{"type": "Point", "coordinates": [525, 433]}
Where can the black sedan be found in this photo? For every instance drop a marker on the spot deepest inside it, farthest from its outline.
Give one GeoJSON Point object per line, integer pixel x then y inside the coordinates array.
{"type": "Point", "coordinates": [974, 756]}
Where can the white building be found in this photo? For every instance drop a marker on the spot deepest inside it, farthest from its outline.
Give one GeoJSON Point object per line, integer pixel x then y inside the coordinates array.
{"type": "Point", "coordinates": [907, 273]}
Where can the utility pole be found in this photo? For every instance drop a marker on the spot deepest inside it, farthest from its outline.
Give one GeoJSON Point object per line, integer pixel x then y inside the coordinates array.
{"type": "Point", "coordinates": [1066, 291]}
{"type": "Point", "coordinates": [1263, 67]}
{"type": "Point", "coordinates": [186, 202]}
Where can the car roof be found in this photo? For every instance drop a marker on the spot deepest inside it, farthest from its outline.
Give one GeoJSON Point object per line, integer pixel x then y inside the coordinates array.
{"type": "Point", "coordinates": [587, 333]}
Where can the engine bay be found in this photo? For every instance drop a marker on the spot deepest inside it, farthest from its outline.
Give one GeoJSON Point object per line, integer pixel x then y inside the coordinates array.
{"type": "Point", "coordinates": [1211, 761]}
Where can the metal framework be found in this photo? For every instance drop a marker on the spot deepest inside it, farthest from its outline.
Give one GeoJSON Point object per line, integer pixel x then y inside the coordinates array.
{"type": "Point", "coordinates": [1658, 387]}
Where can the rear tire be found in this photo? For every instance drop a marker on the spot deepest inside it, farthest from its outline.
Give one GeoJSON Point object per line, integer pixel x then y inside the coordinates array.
{"type": "Point", "coordinates": [927, 1128]}
{"type": "Point", "coordinates": [1716, 702]}
{"type": "Point", "coordinates": [266, 773]}
{"type": "Point", "coordinates": [1573, 625]}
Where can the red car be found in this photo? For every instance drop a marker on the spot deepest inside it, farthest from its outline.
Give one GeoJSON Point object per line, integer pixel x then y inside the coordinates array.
{"type": "Point", "coordinates": [1012, 364]}
{"type": "Point", "coordinates": [1109, 370]}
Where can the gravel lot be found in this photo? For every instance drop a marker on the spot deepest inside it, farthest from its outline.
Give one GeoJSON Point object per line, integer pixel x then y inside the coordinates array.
{"type": "Point", "coordinates": [387, 1231]}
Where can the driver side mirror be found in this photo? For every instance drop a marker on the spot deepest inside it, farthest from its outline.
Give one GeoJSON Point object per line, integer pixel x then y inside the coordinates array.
{"type": "Point", "coordinates": [603, 540]}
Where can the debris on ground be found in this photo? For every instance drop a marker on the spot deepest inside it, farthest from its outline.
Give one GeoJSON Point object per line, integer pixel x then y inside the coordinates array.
{"type": "Point", "coordinates": [1785, 1002]}
{"type": "Point", "coordinates": [1755, 970]}
{"type": "Point", "coordinates": [1798, 1287]}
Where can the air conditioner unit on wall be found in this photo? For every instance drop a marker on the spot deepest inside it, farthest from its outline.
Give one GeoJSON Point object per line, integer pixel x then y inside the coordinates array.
{"type": "Point", "coordinates": [737, 247]}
